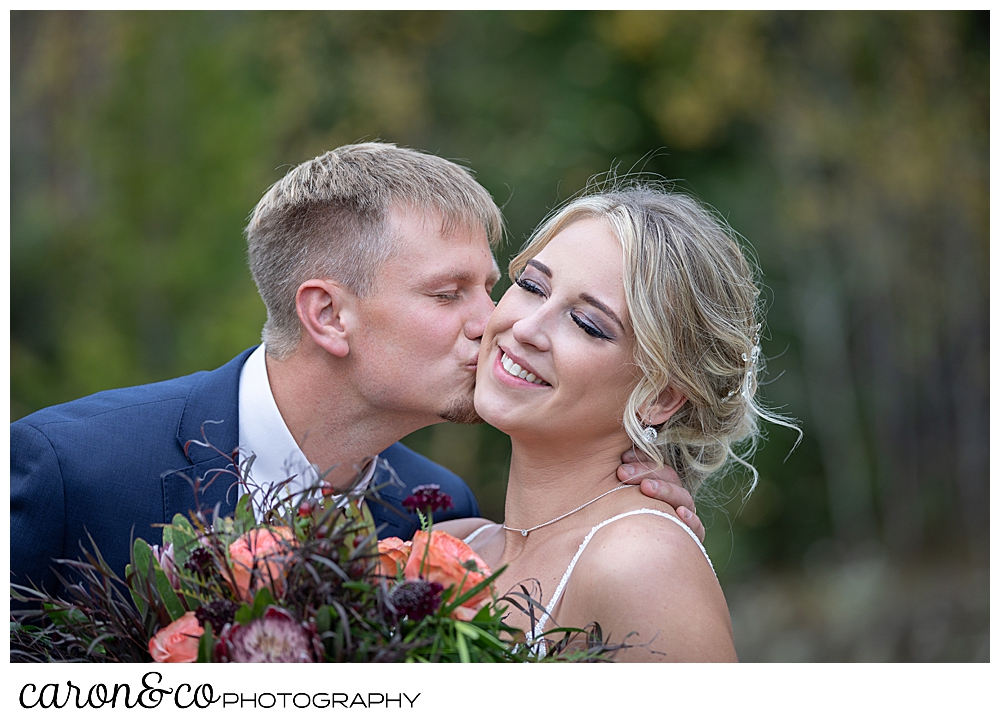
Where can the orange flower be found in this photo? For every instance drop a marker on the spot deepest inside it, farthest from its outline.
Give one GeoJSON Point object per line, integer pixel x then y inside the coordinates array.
{"type": "Point", "coordinates": [264, 550]}
{"type": "Point", "coordinates": [442, 558]}
{"type": "Point", "coordinates": [178, 642]}
{"type": "Point", "coordinates": [392, 556]}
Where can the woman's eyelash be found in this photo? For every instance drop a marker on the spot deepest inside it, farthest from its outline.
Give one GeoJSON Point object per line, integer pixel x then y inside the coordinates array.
{"type": "Point", "coordinates": [530, 286]}
{"type": "Point", "coordinates": [589, 328]}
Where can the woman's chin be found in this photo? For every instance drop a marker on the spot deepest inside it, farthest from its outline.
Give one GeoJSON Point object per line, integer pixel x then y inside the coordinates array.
{"type": "Point", "coordinates": [498, 416]}
{"type": "Point", "coordinates": [488, 415]}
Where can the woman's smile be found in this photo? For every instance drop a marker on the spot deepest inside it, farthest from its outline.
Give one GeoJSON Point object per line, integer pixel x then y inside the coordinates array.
{"type": "Point", "coordinates": [516, 373]}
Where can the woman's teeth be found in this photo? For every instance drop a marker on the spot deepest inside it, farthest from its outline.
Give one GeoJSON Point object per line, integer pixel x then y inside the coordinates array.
{"type": "Point", "coordinates": [515, 370]}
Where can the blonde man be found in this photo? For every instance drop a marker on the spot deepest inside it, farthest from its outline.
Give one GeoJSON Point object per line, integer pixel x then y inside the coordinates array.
{"type": "Point", "coordinates": [375, 264]}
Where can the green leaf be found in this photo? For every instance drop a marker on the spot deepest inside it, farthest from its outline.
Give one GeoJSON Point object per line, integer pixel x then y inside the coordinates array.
{"type": "Point", "coordinates": [487, 639]}
{"type": "Point", "coordinates": [182, 523]}
{"type": "Point", "coordinates": [243, 614]}
{"type": "Point", "coordinates": [137, 573]}
{"type": "Point", "coordinates": [469, 631]}
{"type": "Point", "coordinates": [323, 619]}
{"type": "Point", "coordinates": [244, 515]}
{"type": "Point", "coordinates": [143, 555]}
{"type": "Point", "coordinates": [191, 602]}
{"type": "Point", "coordinates": [463, 648]}
{"type": "Point", "coordinates": [206, 645]}
{"type": "Point", "coordinates": [151, 575]}
{"type": "Point", "coordinates": [263, 598]}
{"type": "Point", "coordinates": [357, 585]}
{"type": "Point", "coordinates": [167, 594]}
{"type": "Point", "coordinates": [96, 646]}
{"type": "Point", "coordinates": [183, 537]}
{"type": "Point", "coordinates": [65, 618]}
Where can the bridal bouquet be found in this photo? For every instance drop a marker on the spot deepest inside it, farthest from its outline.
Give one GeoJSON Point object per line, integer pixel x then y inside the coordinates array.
{"type": "Point", "coordinates": [311, 583]}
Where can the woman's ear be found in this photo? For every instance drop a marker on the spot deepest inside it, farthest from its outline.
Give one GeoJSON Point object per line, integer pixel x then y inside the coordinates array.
{"type": "Point", "coordinates": [663, 407]}
{"type": "Point", "coordinates": [326, 311]}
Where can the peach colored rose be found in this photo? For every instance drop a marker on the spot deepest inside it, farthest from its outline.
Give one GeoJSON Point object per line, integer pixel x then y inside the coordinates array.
{"type": "Point", "coordinates": [178, 642]}
{"type": "Point", "coordinates": [266, 551]}
{"type": "Point", "coordinates": [392, 556]}
{"type": "Point", "coordinates": [442, 558]}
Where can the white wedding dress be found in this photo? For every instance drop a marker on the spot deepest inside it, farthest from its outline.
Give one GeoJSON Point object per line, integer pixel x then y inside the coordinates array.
{"type": "Point", "coordinates": [537, 633]}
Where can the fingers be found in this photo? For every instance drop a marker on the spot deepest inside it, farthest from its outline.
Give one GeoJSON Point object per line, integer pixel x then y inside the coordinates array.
{"type": "Point", "coordinates": [678, 498]}
{"type": "Point", "coordinates": [635, 472]}
{"type": "Point", "coordinates": [661, 484]}
{"type": "Point", "coordinates": [633, 456]}
{"type": "Point", "coordinates": [671, 493]}
{"type": "Point", "coordinates": [693, 521]}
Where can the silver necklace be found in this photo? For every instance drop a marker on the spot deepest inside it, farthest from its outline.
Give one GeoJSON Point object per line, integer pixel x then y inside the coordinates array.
{"type": "Point", "coordinates": [524, 533]}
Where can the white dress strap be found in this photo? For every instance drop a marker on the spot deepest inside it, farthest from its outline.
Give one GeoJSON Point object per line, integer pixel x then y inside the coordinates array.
{"type": "Point", "coordinates": [475, 533]}
{"type": "Point", "coordinates": [540, 627]}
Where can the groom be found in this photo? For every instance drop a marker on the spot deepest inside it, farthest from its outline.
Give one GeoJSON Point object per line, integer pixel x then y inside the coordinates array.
{"type": "Point", "coordinates": [375, 265]}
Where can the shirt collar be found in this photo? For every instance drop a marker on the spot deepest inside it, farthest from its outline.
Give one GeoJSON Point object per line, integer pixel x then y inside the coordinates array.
{"type": "Point", "coordinates": [263, 433]}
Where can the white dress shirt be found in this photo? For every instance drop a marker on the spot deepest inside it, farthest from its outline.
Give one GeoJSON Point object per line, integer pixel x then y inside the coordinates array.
{"type": "Point", "coordinates": [263, 433]}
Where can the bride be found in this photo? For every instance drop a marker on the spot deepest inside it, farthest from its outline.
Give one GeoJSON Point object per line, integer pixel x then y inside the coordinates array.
{"type": "Point", "coordinates": [632, 324]}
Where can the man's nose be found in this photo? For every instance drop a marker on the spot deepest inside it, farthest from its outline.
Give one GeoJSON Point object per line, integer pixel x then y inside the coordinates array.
{"type": "Point", "coordinates": [482, 308]}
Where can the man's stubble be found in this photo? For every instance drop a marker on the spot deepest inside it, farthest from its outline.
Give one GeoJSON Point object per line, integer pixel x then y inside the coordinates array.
{"type": "Point", "coordinates": [462, 411]}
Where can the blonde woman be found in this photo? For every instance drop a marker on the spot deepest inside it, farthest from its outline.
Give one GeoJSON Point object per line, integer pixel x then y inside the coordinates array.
{"type": "Point", "coordinates": [632, 323]}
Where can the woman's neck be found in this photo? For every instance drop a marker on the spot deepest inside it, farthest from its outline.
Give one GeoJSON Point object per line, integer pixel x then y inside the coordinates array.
{"type": "Point", "coordinates": [546, 481]}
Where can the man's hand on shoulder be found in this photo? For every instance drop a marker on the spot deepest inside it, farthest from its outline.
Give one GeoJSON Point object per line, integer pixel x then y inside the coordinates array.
{"type": "Point", "coordinates": [661, 484]}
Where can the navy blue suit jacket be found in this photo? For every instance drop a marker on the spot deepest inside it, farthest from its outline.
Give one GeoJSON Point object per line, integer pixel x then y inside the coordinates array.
{"type": "Point", "coordinates": [116, 463]}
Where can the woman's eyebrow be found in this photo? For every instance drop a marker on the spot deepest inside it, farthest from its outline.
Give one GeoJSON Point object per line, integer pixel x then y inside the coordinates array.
{"type": "Point", "coordinates": [540, 266]}
{"type": "Point", "coordinates": [593, 301]}
{"type": "Point", "coordinates": [603, 307]}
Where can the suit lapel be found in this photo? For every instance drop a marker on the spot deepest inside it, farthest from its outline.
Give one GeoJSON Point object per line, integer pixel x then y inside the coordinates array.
{"type": "Point", "coordinates": [208, 432]}
{"type": "Point", "coordinates": [386, 505]}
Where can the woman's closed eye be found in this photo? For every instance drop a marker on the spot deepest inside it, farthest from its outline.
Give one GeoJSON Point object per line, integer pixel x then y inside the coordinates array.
{"type": "Point", "coordinates": [530, 286]}
{"type": "Point", "coordinates": [588, 327]}
{"type": "Point", "coordinates": [579, 319]}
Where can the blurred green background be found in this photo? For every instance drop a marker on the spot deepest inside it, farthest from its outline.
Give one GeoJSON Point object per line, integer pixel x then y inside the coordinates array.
{"type": "Point", "coordinates": [850, 149]}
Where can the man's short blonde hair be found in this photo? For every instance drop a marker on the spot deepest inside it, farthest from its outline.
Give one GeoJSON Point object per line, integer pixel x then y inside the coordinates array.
{"type": "Point", "coordinates": [328, 218]}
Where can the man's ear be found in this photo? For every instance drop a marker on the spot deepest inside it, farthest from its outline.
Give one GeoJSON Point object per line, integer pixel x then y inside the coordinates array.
{"type": "Point", "coordinates": [326, 311]}
{"type": "Point", "coordinates": [663, 407]}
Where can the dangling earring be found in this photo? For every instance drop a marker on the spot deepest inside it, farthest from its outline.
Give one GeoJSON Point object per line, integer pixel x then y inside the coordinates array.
{"type": "Point", "coordinates": [649, 434]}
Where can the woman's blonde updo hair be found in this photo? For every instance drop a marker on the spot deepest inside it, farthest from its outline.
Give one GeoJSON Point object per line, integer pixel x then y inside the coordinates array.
{"type": "Point", "coordinates": [694, 305]}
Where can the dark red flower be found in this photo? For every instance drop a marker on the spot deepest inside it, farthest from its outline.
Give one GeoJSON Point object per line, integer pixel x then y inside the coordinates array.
{"type": "Point", "coordinates": [200, 562]}
{"type": "Point", "coordinates": [415, 599]}
{"type": "Point", "coordinates": [217, 612]}
{"type": "Point", "coordinates": [428, 498]}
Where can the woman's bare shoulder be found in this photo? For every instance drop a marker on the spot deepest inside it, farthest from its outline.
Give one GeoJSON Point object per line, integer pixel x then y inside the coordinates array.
{"type": "Point", "coordinates": [646, 574]}
{"type": "Point", "coordinates": [645, 540]}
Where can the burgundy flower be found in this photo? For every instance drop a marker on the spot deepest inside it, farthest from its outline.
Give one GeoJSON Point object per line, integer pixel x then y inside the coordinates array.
{"type": "Point", "coordinates": [217, 612]}
{"type": "Point", "coordinates": [428, 498]}
{"type": "Point", "coordinates": [200, 561]}
{"type": "Point", "coordinates": [276, 637]}
{"type": "Point", "coordinates": [415, 599]}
